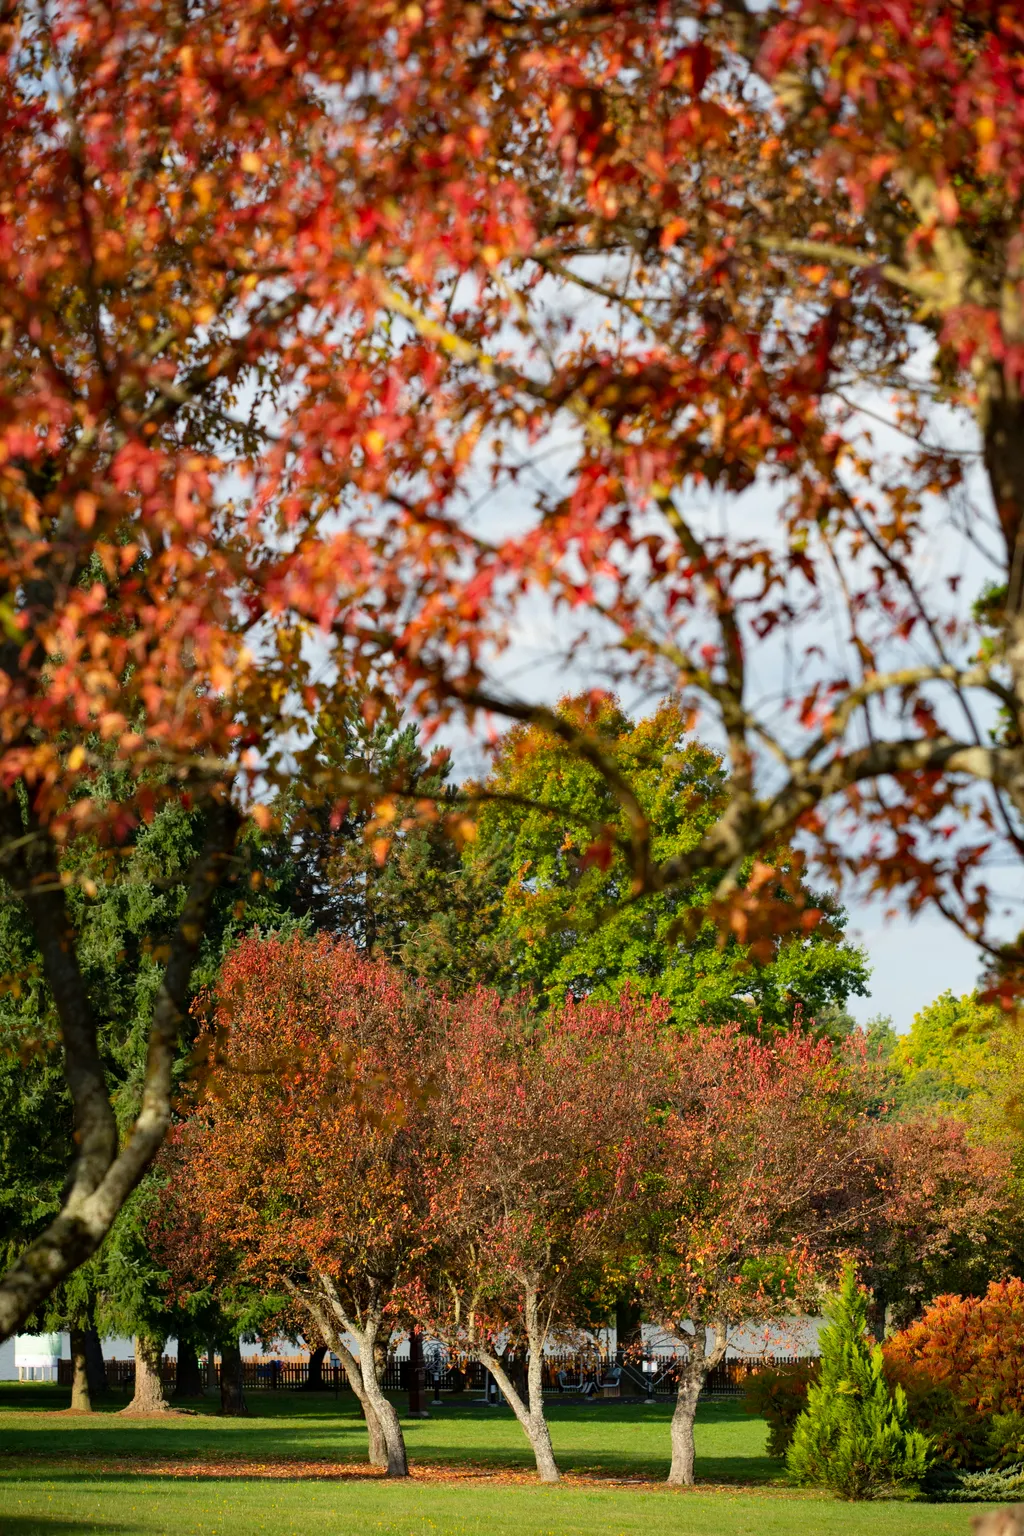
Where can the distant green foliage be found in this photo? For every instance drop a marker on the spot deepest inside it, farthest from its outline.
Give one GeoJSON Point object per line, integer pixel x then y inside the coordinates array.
{"type": "Point", "coordinates": [952, 1054]}
{"type": "Point", "coordinates": [561, 920]}
{"type": "Point", "coordinates": [779, 1395]}
{"type": "Point", "coordinates": [854, 1436]}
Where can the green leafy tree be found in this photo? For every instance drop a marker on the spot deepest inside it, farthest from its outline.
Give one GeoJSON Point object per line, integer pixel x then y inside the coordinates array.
{"type": "Point", "coordinates": [854, 1437]}
{"type": "Point", "coordinates": [559, 919]}
{"type": "Point", "coordinates": [125, 901]}
{"type": "Point", "coordinates": [959, 1056]}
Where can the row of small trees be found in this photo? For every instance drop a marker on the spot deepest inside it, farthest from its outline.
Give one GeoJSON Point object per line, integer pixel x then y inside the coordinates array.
{"type": "Point", "coordinates": [383, 1155]}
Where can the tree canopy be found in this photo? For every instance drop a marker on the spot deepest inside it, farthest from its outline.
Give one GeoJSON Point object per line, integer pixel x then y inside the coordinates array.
{"type": "Point", "coordinates": [548, 844]}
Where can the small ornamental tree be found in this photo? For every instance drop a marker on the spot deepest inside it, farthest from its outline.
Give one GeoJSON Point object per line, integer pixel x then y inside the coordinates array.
{"type": "Point", "coordinates": [756, 1142]}
{"type": "Point", "coordinates": [307, 1153]}
{"type": "Point", "coordinates": [854, 1436]}
{"type": "Point", "coordinates": [945, 1215]}
{"type": "Point", "coordinates": [540, 1130]}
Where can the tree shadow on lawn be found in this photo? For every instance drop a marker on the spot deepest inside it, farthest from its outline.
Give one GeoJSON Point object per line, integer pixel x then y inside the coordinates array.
{"type": "Point", "coordinates": [52, 1525]}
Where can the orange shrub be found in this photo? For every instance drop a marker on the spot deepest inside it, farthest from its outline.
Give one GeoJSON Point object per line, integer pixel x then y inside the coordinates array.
{"type": "Point", "coordinates": [974, 1345]}
{"type": "Point", "coordinates": [960, 1364]}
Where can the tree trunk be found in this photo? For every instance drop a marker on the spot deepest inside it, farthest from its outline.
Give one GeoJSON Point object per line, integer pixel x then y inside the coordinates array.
{"type": "Point", "coordinates": [687, 1393]}
{"type": "Point", "coordinates": [417, 1375]}
{"type": "Point", "coordinates": [81, 1402]}
{"type": "Point", "coordinates": [188, 1380]}
{"type": "Point", "coordinates": [530, 1415]}
{"type": "Point", "coordinates": [628, 1326]}
{"type": "Point", "coordinates": [314, 1381]}
{"type": "Point", "coordinates": [94, 1364]}
{"type": "Point", "coordinates": [232, 1394]}
{"type": "Point", "coordinates": [386, 1442]}
{"type": "Point", "coordinates": [691, 1378]}
{"type": "Point", "coordinates": [149, 1393]}
{"type": "Point", "coordinates": [397, 1461]}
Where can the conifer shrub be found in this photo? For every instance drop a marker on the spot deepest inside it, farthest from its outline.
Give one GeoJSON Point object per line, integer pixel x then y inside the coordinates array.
{"type": "Point", "coordinates": [855, 1437]}
{"type": "Point", "coordinates": [998, 1485]}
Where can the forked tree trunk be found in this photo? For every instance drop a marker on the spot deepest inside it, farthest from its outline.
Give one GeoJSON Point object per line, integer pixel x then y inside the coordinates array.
{"type": "Point", "coordinates": [81, 1401]}
{"type": "Point", "coordinates": [691, 1379]}
{"type": "Point", "coordinates": [325, 1311]}
{"type": "Point", "coordinates": [397, 1460]}
{"type": "Point", "coordinates": [188, 1380]}
{"type": "Point", "coordinates": [530, 1413]}
{"type": "Point", "coordinates": [149, 1393]}
{"type": "Point", "coordinates": [232, 1391]}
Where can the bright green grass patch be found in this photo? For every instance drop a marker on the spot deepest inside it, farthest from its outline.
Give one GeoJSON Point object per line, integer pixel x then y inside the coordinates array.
{"type": "Point", "coordinates": [67, 1475]}
{"type": "Point", "coordinates": [127, 1507]}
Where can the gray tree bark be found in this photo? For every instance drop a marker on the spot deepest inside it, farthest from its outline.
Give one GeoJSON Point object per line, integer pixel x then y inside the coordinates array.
{"type": "Point", "coordinates": [386, 1444]}
{"type": "Point", "coordinates": [530, 1413]}
{"type": "Point", "coordinates": [106, 1170]}
{"type": "Point", "coordinates": [691, 1378]}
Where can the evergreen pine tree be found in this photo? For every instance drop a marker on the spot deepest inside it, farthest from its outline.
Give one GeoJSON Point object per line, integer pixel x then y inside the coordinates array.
{"type": "Point", "coordinates": [854, 1436]}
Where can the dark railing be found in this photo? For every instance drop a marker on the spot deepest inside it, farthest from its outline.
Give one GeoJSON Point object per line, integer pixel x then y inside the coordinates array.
{"type": "Point", "coordinates": [653, 1374]}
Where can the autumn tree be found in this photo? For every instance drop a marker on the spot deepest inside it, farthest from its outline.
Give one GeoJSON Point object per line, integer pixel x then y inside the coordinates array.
{"type": "Point", "coordinates": [187, 224]}
{"type": "Point", "coordinates": [947, 1216]}
{"type": "Point", "coordinates": [538, 1138]}
{"type": "Point", "coordinates": [744, 1202]}
{"type": "Point", "coordinates": [306, 1154]}
{"type": "Point", "coordinates": [742, 349]}
{"type": "Point", "coordinates": [286, 289]}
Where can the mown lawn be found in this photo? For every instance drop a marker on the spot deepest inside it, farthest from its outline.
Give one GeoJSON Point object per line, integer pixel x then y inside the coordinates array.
{"type": "Point", "coordinates": [297, 1465]}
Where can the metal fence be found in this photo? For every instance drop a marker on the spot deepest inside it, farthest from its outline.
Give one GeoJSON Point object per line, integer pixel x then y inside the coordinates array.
{"type": "Point", "coordinates": [653, 1374]}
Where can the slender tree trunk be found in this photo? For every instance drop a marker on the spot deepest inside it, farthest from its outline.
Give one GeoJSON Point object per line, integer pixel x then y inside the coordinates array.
{"type": "Point", "coordinates": [94, 1363]}
{"type": "Point", "coordinates": [81, 1402]}
{"type": "Point", "coordinates": [211, 1365]}
{"type": "Point", "coordinates": [325, 1311]}
{"type": "Point", "coordinates": [314, 1381]}
{"type": "Point", "coordinates": [417, 1375]}
{"type": "Point", "coordinates": [149, 1392]}
{"type": "Point", "coordinates": [531, 1413]}
{"type": "Point", "coordinates": [188, 1381]}
{"type": "Point", "coordinates": [232, 1393]}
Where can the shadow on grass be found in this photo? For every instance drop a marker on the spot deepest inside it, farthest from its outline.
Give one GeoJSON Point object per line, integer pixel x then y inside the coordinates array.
{"type": "Point", "coordinates": [51, 1525]}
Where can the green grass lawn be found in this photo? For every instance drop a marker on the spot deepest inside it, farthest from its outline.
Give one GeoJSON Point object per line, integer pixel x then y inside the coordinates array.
{"type": "Point", "coordinates": [203, 1474]}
